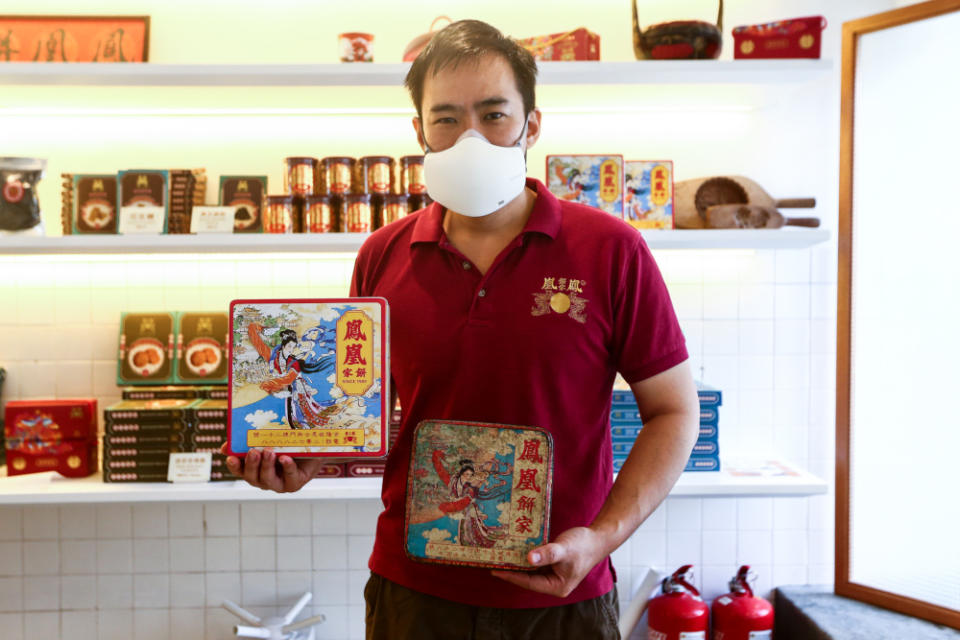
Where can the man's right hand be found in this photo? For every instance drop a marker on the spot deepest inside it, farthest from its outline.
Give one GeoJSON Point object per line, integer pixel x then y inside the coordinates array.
{"type": "Point", "coordinates": [260, 468]}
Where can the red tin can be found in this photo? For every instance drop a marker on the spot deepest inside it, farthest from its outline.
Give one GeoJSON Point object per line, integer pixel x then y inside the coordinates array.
{"type": "Point", "coordinates": [373, 175]}
{"type": "Point", "coordinates": [318, 217]}
{"type": "Point", "coordinates": [280, 215]}
{"type": "Point", "coordinates": [300, 176]}
{"type": "Point", "coordinates": [51, 435]}
{"type": "Point", "coordinates": [359, 218]}
{"type": "Point", "coordinates": [411, 175]}
{"type": "Point", "coordinates": [394, 208]}
{"type": "Point", "coordinates": [338, 172]}
{"type": "Point", "coordinates": [794, 38]}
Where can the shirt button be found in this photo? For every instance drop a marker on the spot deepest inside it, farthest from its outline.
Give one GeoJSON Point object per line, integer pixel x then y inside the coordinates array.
{"type": "Point", "coordinates": [466, 264]}
{"type": "Point", "coordinates": [482, 292]}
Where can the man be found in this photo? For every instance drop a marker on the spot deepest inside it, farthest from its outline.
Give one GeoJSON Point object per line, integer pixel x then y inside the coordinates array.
{"type": "Point", "coordinates": [509, 306]}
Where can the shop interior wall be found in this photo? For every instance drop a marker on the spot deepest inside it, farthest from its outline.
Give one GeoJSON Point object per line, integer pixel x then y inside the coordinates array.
{"type": "Point", "coordinates": [759, 324]}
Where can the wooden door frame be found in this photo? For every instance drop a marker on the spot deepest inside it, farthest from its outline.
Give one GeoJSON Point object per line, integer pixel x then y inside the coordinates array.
{"type": "Point", "coordinates": [842, 585]}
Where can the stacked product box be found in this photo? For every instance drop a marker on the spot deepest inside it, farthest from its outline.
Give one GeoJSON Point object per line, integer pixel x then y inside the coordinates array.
{"type": "Point", "coordinates": [140, 435]}
{"type": "Point", "coordinates": [625, 425]}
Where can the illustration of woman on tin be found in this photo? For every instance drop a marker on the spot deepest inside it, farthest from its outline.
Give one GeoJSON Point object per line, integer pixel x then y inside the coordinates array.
{"type": "Point", "coordinates": [465, 492]}
{"type": "Point", "coordinates": [286, 366]}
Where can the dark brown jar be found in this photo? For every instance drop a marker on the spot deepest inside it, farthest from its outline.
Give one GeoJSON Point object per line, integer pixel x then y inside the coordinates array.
{"type": "Point", "coordinates": [280, 215]}
{"type": "Point", "coordinates": [411, 175]}
{"type": "Point", "coordinates": [373, 175]}
{"type": "Point", "coordinates": [318, 217]}
{"type": "Point", "coordinates": [359, 214]}
{"type": "Point", "coordinates": [339, 175]}
{"type": "Point", "coordinates": [300, 176]}
{"type": "Point", "coordinates": [395, 207]}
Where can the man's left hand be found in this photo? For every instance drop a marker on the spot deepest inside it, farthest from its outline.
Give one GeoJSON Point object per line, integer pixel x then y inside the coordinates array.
{"type": "Point", "coordinates": [563, 563]}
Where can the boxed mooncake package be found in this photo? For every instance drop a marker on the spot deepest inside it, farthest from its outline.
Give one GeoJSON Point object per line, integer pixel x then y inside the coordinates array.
{"type": "Point", "coordinates": [648, 194]}
{"type": "Point", "coordinates": [201, 347]}
{"type": "Point", "coordinates": [310, 377]}
{"type": "Point", "coordinates": [595, 180]}
{"type": "Point", "coordinates": [145, 188]}
{"type": "Point", "coordinates": [51, 435]}
{"type": "Point", "coordinates": [478, 494]}
{"type": "Point", "coordinates": [246, 193]}
{"type": "Point", "coordinates": [146, 348]}
{"type": "Point", "coordinates": [93, 204]}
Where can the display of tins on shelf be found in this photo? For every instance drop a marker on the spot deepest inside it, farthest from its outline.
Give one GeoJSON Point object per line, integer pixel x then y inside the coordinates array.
{"type": "Point", "coordinates": [300, 176]}
{"type": "Point", "coordinates": [359, 213]}
{"type": "Point", "coordinates": [280, 215]}
{"type": "Point", "coordinates": [246, 193]}
{"type": "Point", "coordinates": [338, 174]}
{"type": "Point", "coordinates": [394, 207]}
{"type": "Point", "coordinates": [411, 175]}
{"type": "Point", "coordinates": [373, 175]}
{"type": "Point", "coordinates": [318, 217]}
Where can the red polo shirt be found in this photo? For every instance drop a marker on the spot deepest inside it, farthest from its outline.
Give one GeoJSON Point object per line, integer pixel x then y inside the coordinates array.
{"type": "Point", "coordinates": [537, 341]}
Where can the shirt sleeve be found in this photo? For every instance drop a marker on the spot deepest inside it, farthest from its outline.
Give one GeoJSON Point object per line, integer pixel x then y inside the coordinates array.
{"type": "Point", "coordinates": [647, 336]}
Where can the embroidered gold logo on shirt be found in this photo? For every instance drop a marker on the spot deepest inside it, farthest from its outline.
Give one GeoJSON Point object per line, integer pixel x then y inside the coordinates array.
{"type": "Point", "coordinates": [560, 295]}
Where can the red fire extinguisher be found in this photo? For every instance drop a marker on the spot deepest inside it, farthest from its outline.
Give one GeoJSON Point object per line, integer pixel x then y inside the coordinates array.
{"type": "Point", "coordinates": [739, 615]}
{"type": "Point", "coordinates": [677, 612]}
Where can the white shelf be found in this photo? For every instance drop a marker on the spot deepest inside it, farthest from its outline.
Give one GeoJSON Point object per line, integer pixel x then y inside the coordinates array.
{"type": "Point", "coordinates": [370, 75]}
{"type": "Point", "coordinates": [51, 488]}
{"type": "Point", "coordinates": [350, 242]}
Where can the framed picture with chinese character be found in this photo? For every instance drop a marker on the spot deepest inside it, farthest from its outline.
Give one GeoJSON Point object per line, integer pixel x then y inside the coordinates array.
{"type": "Point", "coordinates": [478, 494]}
{"type": "Point", "coordinates": [74, 38]}
{"type": "Point", "coordinates": [309, 377]}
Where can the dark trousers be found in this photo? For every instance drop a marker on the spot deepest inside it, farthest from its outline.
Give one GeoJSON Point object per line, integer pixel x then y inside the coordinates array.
{"type": "Point", "coordinates": [397, 613]}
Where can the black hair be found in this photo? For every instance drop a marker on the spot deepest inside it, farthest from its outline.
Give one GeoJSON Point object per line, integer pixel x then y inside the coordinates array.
{"type": "Point", "coordinates": [469, 40]}
{"type": "Point", "coordinates": [287, 336]}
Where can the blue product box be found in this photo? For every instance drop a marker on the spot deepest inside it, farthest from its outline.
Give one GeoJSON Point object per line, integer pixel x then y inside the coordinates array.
{"type": "Point", "coordinates": [703, 463]}
{"type": "Point", "coordinates": [625, 415]}
{"type": "Point", "coordinates": [618, 431]}
{"type": "Point", "coordinates": [709, 396]}
{"type": "Point", "coordinates": [622, 447]}
{"type": "Point", "coordinates": [708, 432]}
{"type": "Point", "coordinates": [705, 448]}
{"type": "Point", "coordinates": [709, 415]}
{"type": "Point", "coordinates": [624, 397]}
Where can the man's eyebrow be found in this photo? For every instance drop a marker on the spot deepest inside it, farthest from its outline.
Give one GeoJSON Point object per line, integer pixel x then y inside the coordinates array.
{"type": "Point", "coordinates": [492, 101]}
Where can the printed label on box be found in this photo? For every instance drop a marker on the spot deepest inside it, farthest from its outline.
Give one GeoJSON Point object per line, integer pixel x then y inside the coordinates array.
{"type": "Point", "coordinates": [189, 467]}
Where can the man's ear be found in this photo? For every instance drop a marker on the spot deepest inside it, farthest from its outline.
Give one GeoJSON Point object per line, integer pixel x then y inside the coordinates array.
{"type": "Point", "coordinates": [418, 127]}
{"type": "Point", "coordinates": [533, 127]}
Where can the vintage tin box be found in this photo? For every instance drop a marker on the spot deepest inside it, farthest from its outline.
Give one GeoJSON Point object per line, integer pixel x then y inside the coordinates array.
{"type": "Point", "coordinates": [146, 354]}
{"type": "Point", "coordinates": [201, 347]}
{"type": "Point", "coordinates": [478, 494]}
{"type": "Point", "coordinates": [648, 194]}
{"type": "Point", "coordinates": [310, 377]}
{"type": "Point", "coordinates": [794, 38]}
{"type": "Point", "coordinates": [595, 180]}
{"type": "Point", "coordinates": [51, 435]}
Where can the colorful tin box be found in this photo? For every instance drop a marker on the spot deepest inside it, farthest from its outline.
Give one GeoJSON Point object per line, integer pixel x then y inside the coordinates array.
{"type": "Point", "coordinates": [146, 348]}
{"type": "Point", "coordinates": [794, 38]}
{"type": "Point", "coordinates": [648, 194]}
{"type": "Point", "coordinates": [595, 180]}
{"type": "Point", "coordinates": [201, 348]}
{"type": "Point", "coordinates": [579, 44]}
{"type": "Point", "coordinates": [310, 377]}
{"type": "Point", "coordinates": [478, 494]}
{"type": "Point", "coordinates": [51, 435]}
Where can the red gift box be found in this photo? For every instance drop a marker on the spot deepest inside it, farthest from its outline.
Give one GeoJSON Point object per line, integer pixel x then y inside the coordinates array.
{"type": "Point", "coordinates": [579, 44]}
{"type": "Point", "coordinates": [51, 435]}
{"type": "Point", "coordinates": [795, 38]}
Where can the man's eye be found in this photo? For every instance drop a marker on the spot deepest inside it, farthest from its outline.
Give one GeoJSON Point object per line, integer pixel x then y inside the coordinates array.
{"type": "Point", "coordinates": [444, 121]}
{"type": "Point", "coordinates": [496, 115]}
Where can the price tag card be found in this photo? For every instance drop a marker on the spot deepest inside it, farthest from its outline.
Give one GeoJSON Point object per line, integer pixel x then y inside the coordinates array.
{"type": "Point", "coordinates": [142, 220]}
{"type": "Point", "coordinates": [212, 219]}
{"type": "Point", "coordinates": [189, 467]}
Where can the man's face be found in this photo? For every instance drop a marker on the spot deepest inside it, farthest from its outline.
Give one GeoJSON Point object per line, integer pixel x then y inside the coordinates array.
{"type": "Point", "coordinates": [478, 95]}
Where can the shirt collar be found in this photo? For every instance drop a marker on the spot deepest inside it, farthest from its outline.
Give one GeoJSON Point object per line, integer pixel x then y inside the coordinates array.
{"type": "Point", "coordinates": [544, 218]}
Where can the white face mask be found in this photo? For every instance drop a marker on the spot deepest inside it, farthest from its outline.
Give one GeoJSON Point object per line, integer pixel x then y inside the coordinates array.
{"type": "Point", "coordinates": [474, 177]}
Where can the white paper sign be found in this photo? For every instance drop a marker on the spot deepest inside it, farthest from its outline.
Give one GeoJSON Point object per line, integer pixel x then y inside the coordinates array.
{"type": "Point", "coordinates": [189, 467]}
{"type": "Point", "coordinates": [142, 220]}
{"type": "Point", "coordinates": [212, 219]}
